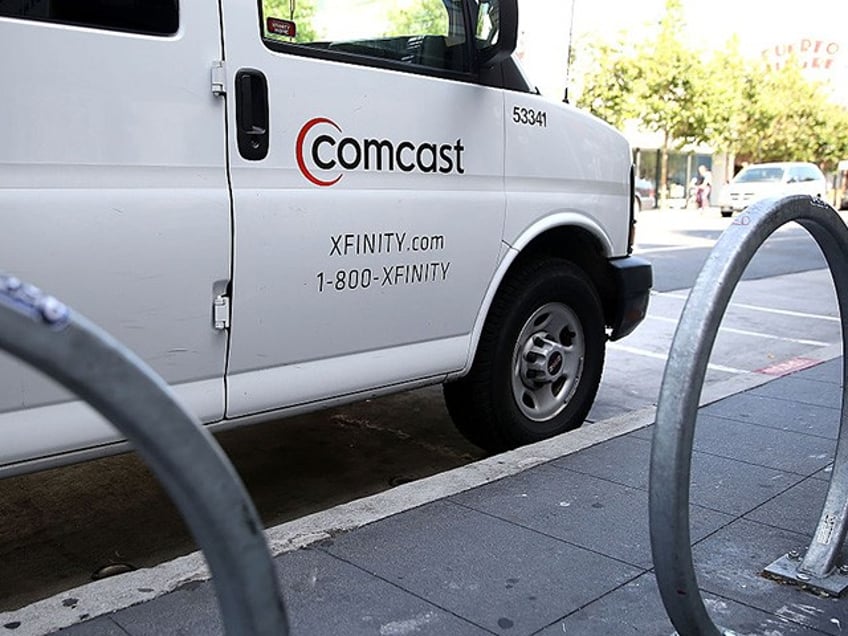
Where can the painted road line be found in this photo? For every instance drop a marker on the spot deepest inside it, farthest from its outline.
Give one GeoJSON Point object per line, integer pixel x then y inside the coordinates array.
{"type": "Point", "coordinates": [753, 334]}
{"type": "Point", "coordinates": [768, 310]}
{"type": "Point", "coordinates": [671, 248]}
{"type": "Point", "coordinates": [664, 357]}
{"type": "Point", "coordinates": [699, 245]}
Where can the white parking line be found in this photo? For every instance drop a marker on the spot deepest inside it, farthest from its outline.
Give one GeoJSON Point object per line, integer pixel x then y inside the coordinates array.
{"type": "Point", "coordinates": [753, 334]}
{"type": "Point", "coordinates": [663, 356]}
{"type": "Point", "coordinates": [671, 248]}
{"type": "Point", "coordinates": [696, 244]}
{"type": "Point", "coordinates": [768, 310]}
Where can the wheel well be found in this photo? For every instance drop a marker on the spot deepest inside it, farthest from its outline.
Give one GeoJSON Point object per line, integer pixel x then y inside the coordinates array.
{"type": "Point", "coordinates": [580, 247]}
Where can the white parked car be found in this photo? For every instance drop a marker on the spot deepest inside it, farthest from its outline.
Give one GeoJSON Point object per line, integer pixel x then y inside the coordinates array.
{"type": "Point", "coordinates": [760, 180]}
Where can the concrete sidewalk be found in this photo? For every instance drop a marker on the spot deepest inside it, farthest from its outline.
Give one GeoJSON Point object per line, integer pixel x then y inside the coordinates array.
{"type": "Point", "coordinates": [559, 545]}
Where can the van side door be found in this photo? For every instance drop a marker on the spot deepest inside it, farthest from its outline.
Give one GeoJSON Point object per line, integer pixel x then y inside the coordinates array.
{"type": "Point", "coordinates": [367, 178]}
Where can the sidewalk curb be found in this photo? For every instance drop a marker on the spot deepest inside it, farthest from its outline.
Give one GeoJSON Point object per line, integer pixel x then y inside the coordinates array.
{"type": "Point", "coordinates": [109, 595]}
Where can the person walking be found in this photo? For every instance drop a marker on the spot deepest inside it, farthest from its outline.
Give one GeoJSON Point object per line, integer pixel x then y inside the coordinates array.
{"type": "Point", "coordinates": [703, 185]}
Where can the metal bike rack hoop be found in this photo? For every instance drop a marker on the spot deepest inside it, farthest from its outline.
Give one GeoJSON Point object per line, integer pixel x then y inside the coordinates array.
{"type": "Point", "coordinates": [185, 458]}
{"type": "Point", "coordinates": [671, 452]}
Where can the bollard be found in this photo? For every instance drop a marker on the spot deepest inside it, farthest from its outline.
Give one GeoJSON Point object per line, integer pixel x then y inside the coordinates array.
{"type": "Point", "coordinates": [185, 458]}
{"type": "Point", "coordinates": [671, 452]}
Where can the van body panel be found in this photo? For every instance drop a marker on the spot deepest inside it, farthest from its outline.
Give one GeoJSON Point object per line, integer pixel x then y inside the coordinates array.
{"type": "Point", "coordinates": [113, 191]}
{"type": "Point", "coordinates": [302, 384]}
{"type": "Point", "coordinates": [54, 429]}
{"type": "Point", "coordinates": [559, 159]}
{"type": "Point", "coordinates": [333, 263]}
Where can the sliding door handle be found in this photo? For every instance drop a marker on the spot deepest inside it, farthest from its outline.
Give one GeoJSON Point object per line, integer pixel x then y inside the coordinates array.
{"type": "Point", "coordinates": [252, 114]}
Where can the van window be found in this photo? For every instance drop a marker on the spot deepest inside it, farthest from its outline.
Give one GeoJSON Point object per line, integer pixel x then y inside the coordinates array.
{"type": "Point", "coordinates": [427, 34]}
{"type": "Point", "coordinates": [153, 17]}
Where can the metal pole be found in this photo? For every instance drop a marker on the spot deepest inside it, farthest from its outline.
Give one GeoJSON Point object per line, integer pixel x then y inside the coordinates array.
{"type": "Point", "coordinates": [568, 55]}
{"type": "Point", "coordinates": [681, 389]}
{"type": "Point", "coordinates": [185, 458]}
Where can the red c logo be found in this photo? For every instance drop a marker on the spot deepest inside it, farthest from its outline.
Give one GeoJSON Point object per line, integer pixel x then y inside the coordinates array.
{"type": "Point", "coordinates": [301, 163]}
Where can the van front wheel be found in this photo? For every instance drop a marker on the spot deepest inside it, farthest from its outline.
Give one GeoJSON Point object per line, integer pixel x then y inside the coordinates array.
{"type": "Point", "coordinates": [539, 361]}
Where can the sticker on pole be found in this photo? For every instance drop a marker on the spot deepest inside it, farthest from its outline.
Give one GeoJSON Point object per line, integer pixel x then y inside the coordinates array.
{"type": "Point", "coordinates": [30, 301]}
{"type": "Point", "coordinates": [788, 366]}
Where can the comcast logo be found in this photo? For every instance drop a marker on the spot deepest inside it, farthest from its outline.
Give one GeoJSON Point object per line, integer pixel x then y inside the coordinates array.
{"type": "Point", "coordinates": [324, 154]}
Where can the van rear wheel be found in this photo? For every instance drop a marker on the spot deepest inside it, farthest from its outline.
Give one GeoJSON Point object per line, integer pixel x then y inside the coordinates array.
{"type": "Point", "coordinates": [539, 361]}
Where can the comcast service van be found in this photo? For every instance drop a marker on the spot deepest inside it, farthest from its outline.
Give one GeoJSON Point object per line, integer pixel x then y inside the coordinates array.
{"type": "Point", "coordinates": [282, 206]}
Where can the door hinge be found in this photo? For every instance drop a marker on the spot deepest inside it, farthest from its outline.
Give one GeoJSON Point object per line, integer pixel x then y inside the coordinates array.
{"type": "Point", "coordinates": [219, 79]}
{"type": "Point", "coordinates": [221, 312]}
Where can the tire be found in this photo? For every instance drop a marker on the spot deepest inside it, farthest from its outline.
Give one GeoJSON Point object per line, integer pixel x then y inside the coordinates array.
{"type": "Point", "coordinates": [539, 360]}
{"type": "Point", "coordinates": [727, 213]}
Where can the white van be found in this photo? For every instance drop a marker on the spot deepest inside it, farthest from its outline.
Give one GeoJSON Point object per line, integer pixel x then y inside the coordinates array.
{"type": "Point", "coordinates": [286, 207]}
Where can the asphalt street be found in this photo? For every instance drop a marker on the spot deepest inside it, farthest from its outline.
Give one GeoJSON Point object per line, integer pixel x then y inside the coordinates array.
{"type": "Point", "coordinates": [661, 239]}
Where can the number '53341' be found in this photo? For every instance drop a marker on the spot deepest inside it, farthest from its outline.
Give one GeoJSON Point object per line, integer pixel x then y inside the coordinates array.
{"type": "Point", "coordinates": [529, 117]}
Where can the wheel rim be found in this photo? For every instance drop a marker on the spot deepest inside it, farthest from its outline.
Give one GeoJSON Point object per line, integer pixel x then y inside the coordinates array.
{"type": "Point", "coordinates": [547, 361]}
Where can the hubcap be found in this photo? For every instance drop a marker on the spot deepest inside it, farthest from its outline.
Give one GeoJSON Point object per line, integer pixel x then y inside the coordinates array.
{"type": "Point", "coordinates": [547, 361]}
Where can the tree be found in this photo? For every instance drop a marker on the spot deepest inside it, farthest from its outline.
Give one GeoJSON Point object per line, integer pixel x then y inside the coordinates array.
{"type": "Point", "coordinates": [672, 87]}
{"type": "Point", "coordinates": [732, 87]}
{"type": "Point", "coordinates": [788, 118]}
{"type": "Point", "coordinates": [609, 89]}
{"type": "Point", "coordinates": [832, 143]}
{"type": "Point", "coordinates": [738, 106]}
{"type": "Point", "coordinates": [659, 83]}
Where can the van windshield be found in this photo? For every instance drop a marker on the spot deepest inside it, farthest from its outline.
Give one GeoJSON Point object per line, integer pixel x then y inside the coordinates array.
{"type": "Point", "coordinates": [752, 175]}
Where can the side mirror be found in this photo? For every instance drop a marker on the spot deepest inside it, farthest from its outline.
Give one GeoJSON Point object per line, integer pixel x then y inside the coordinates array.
{"type": "Point", "coordinates": [496, 31]}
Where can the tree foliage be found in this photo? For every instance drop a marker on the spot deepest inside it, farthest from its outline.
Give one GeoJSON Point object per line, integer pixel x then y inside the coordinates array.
{"type": "Point", "coordinates": [735, 105]}
{"type": "Point", "coordinates": [610, 86]}
{"type": "Point", "coordinates": [425, 17]}
{"type": "Point", "coordinates": [672, 82]}
{"type": "Point", "coordinates": [788, 118]}
{"type": "Point", "coordinates": [661, 84]}
{"type": "Point", "coordinates": [730, 82]}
